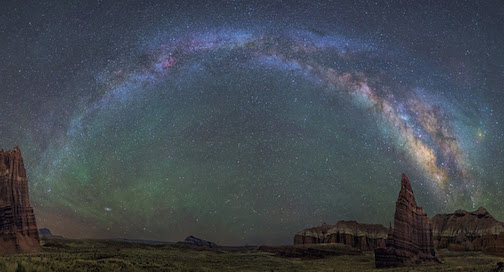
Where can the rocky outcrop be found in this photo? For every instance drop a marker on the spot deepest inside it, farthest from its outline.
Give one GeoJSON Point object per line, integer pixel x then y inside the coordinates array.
{"type": "Point", "coordinates": [45, 233]}
{"type": "Point", "coordinates": [197, 242]}
{"type": "Point", "coordinates": [360, 236]}
{"type": "Point", "coordinates": [411, 241]}
{"type": "Point", "coordinates": [18, 230]}
{"type": "Point", "coordinates": [469, 231]}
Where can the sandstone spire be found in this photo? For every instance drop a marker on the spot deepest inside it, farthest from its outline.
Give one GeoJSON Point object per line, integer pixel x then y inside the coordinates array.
{"type": "Point", "coordinates": [18, 229]}
{"type": "Point", "coordinates": [411, 240]}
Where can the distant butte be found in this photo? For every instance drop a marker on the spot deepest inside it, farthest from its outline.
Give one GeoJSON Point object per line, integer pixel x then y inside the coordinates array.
{"type": "Point", "coordinates": [18, 230]}
{"type": "Point", "coordinates": [410, 241]}
{"type": "Point", "coordinates": [197, 242]}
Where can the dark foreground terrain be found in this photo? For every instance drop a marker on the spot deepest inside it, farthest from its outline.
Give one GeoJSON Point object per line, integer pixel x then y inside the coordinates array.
{"type": "Point", "coordinates": [101, 255]}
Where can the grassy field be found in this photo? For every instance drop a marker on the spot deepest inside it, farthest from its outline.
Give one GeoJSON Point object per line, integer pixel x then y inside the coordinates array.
{"type": "Point", "coordinates": [100, 255]}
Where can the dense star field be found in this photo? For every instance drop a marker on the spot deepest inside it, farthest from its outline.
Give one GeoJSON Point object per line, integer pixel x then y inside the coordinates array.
{"type": "Point", "coordinates": [243, 121]}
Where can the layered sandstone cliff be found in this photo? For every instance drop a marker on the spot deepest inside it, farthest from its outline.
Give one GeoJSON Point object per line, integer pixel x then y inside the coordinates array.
{"type": "Point", "coordinates": [411, 241]}
{"type": "Point", "coordinates": [18, 230]}
{"type": "Point", "coordinates": [469, 231]}
{"type": "Point", "coordinates": [361, 236]}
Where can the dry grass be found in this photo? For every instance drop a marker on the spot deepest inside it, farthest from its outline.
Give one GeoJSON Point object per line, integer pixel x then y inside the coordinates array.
{"type": "Point", "coordinates": [99, 255]}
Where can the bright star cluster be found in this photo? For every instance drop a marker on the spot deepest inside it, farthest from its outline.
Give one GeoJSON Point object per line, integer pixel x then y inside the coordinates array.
{"type": "Point", "coordinates": [245, 121]}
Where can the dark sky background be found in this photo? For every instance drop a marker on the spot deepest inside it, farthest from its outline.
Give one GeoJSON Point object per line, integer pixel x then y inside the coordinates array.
{"type": "Point", "coordinates": [243, 122]}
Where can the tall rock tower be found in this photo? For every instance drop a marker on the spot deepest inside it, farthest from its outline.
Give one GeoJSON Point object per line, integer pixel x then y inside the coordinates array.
{"type": "Point", "coordinates": [410, 242]}
{"type": "Point", "coordinates": [18, 230]}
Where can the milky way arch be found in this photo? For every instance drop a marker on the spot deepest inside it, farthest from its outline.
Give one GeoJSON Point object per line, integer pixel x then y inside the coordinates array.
{"type": "Point", "coordinates": [420, 125]}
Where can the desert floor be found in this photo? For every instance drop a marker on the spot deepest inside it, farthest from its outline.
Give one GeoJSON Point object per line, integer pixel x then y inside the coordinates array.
{"type": "Point", "coordinates": [101, 255]}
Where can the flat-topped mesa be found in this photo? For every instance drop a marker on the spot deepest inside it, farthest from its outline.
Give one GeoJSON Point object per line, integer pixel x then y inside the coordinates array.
{"type": "Point", "coordinates": [469, 231]}
{"type": "Point", "coordinates": [360, 236]}
{"type": "Point", "coordinates": [18, 229]}
{"type": "Point", "coordinates": [410, 242]}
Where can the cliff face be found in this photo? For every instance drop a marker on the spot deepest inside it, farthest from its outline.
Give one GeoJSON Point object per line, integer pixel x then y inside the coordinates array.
{"type": "Point", "coordinates": [361, 236]}
{"type": "Point", "coordinates": [411, 240]}
{"type": "Point", "coordinates": [469, 231]}
{"type": "Point", "coordinates": [18, 229]}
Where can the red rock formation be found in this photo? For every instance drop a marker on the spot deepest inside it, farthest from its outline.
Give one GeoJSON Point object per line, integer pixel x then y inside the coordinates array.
{"type": "Point", "coordinates": [18, 230]}
{"type": "Point", "coordinates": [411, 240]}
{"type": "Point", "coordinates": [469, 231]}
{"type": "Point", "coordinates": [361, 236]}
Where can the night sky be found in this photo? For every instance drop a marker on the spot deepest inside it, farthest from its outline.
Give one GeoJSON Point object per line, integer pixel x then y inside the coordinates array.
{"type": "Point", "coordinates": [242, 122]}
